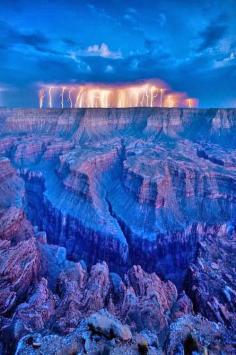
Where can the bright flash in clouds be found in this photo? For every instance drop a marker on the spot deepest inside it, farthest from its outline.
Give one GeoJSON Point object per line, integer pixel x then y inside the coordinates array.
{"type": "Point", "coordinates": [143, 94]}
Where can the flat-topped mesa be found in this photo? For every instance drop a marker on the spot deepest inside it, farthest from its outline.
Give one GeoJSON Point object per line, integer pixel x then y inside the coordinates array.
{"type": "Point", "coordinates": [152, 176]}
{"type": "Point", "coordinates": [85, 168]}
{"type": "Point", "coordinates": [128, 186]}
{"type": "Point", "coordinates": [94, 122]}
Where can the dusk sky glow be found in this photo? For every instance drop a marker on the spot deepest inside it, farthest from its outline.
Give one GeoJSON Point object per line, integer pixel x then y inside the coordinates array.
{"type": "Point", "coordinates": [190, 45]}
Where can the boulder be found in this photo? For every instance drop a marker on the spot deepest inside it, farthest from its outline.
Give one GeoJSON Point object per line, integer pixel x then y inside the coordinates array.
{"type": "Point", "coordinates": [106, 324]}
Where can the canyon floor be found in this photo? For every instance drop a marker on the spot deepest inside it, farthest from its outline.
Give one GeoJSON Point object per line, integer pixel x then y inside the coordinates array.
{"type": "Point", "coordinates": [117, 231]}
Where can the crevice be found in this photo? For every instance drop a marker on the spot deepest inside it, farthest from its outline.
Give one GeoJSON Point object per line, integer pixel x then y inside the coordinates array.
{"type": "Point", "coordinates": [202, 154]}
{"type": "Point", "coordinates": [122, 228]}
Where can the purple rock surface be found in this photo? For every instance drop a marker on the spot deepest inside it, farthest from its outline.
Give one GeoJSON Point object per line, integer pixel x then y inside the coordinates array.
{"type": "Point", "coordinates": [117, 231]}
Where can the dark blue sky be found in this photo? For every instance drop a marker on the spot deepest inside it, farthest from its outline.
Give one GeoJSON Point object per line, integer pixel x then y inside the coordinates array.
{"type": "Point", "coordinates": [189, 44]}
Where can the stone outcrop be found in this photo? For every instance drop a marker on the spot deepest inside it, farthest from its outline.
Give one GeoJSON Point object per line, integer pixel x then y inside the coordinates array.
{"type": "Point", "coordinates": [107, 325]}
{"type": "Point", "coordinates": [211, 280]}
{"type": "Point", "coordinates": [147, 300]}
{"type": "Point", "coordinates": [188, 335]}
{"type": "Point", "coordinates": [19, 268]}
{"type": "Point", "coordinates": [36, 311]}
{"type": "Point", "coordinates": [14, 225]}
{"type": "Point", "coordinates": [194, 334]}
{"type": "Point", "coordinates": [141, 300]}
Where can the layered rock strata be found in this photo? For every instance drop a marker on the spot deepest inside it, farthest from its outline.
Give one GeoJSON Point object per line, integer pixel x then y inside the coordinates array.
{"type": "Point", "coordinates": [129, 211]}
{"type": "Point", "coordinates": [128, 184]}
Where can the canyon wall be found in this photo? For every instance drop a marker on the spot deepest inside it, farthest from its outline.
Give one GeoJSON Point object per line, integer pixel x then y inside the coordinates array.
{"type": "Point", "coordinates": [124, 185]}
{"type": "Point", "coordinates": [113, 216]}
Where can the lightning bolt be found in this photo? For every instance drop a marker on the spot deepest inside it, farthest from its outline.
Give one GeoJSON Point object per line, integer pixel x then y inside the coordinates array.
{"type": "Point", "coordinates": [41, 97]}
{"type": "Point", "coordinates": [78, 98]}
{"type": "Point", "coordinates": [143, 91]}
{"type": "Point", "coordinates": [147, 94]}
{"type": "Point", "coordinates": [104, 98]}
{"type": "Point", "coordinates": [121, 99]}
{"type": "Point", "coordinates": [161, 97]}
{"type": "Point", "coordinates": [153, 89]}
{"type": "Point", "coordinates": [50, 96]}
{"type": "Point", "coordinates": [69, 97]}
{"type": "Point", "coordinates": [170, 101]}
{"type": "Point", "coordinates": [62, 96]}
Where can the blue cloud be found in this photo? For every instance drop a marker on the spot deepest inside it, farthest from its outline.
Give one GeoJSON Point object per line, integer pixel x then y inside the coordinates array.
{"type": "Point", "coordinates": [212, 34]}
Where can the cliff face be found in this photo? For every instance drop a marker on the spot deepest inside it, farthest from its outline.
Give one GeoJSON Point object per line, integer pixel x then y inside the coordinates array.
{"type": "Point", "coordinates": [124, 185]}
{"type": "Point", "coordinates": [118, 187]}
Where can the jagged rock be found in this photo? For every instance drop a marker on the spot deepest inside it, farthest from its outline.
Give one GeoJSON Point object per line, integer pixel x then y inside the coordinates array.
{"type": "Point", "coordinates": [19, 268]}
{"type": "Point", "coordinates": [196, 334]}
{"type": "Point", "coordinates": [147, 300]}
{"type": "Point", "coordinates": [82, 340]}
{"type": "Point", "coordinates": [51, 345]}
{"type": "Point", "coordinates": [7, 171]}
{"type": "Point", "coordinates": [53, 261]}
{"type": "Point", "coordinates": [182, 306]}
{"type": "Point", "coordinates": [71, 289]}
{"type": "Point", "coordinates": [14, 225]}
{"type": "Point", "coordinates": [35, 312]}
{"type": "Point", "coordinates": [211, 281]}
{"type": "Point", "coordinates": [97, 287]}
{"type": "Point", "coordinates": [6, 144]}
{"type": "Point", "coordinates": [28, 151]}
{"type": "Point", "coordinates": [144, 302]}
{"type": "Point", "coordinates": [11, 185]}
{"type": "Point", "coordinates": [151, 338]}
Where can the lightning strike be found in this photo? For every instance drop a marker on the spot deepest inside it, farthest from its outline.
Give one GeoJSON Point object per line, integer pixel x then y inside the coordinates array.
{"type": "Point", "coordinates": [161, 97]}
{"type": "Point", "coordinates": [50, 96]}
{"type": "Point", "coordinates": [189, 103]}
{"type": "Point", "coordinates": [62, 96]}
{"type": "Point", "coordinates": [69, 98]}
{"type": "Point", "coordinates": [145, 94]}
{"type": "Point", "coordinates": [153, 96]}
{"type": "Point", "coordinates": [41, 97]}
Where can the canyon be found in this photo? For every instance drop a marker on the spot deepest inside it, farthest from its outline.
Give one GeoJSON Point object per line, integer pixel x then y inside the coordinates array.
{"type": "Point", "coordinates": [117, 231]}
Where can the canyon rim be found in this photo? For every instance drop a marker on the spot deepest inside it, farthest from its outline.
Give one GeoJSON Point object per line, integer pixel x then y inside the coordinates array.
{"type": "Point", "coordinates": [117, 231]}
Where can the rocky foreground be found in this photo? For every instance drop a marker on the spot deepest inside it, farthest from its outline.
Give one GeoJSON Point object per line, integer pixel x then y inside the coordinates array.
{"type": "Point", "coordinates": [117, 231]}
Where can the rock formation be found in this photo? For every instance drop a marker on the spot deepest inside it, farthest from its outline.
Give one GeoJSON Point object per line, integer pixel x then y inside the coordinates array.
{"type": "Point", "coordinates": [117, 230]}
